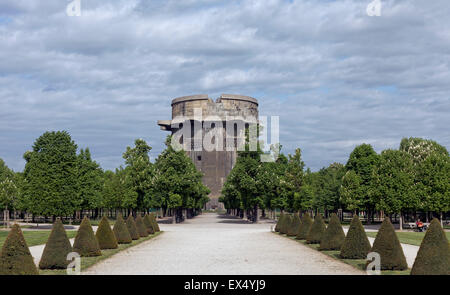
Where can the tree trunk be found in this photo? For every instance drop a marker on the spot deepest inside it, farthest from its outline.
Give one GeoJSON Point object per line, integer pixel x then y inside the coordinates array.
{"type": "Point", "coordinates": [401, 221]}
{"type": "Point", "coordinates": [442, 220]}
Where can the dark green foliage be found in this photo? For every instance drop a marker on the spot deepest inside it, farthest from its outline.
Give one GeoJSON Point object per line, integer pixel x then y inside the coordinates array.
{"type": "Point", "coordinates": [433, 257]}
{"type": "Point", "coordinates": [154, 222]}
{"type": "Point", "coordinates": [105, 236]}
{"type": "Point", "coordinates": [121, 231]}
{"type": "Point", "coordinates": [142, 230]}
{"type": "Point", "coordinates": [56, 249]}
{"type": "Point", "coordinates": [86, 243]}
{"type": "Point", "coordinates": [388, 246]}
{"type": "Point", "coordinates": [305, 225]}
{"type": "Point", "coordinates": [333, 236]}
{"type": "Point", "coordinates": [356, 244]}
{"type": "Point", "coordinates": [316, 231]}
{"type": "Point", "coordinates": [279, 222]}
{"type": "Point", "coordinates": [148, 224]}
{"type": "Point", "coordinates": [131, 225]}
{"type": "Point", "coordinates": [294, 226]}
{"type": "Point", "coordinates": [15, 257]}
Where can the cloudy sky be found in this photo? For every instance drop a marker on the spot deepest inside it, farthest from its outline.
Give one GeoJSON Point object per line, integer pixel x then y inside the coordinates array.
{"type": "Point", "coordinates": [335, 76]}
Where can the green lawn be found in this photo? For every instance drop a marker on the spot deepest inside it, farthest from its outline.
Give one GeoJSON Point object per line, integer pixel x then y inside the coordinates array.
{"type": "Point", "coordinates": [357, 263]}
{"type": "Point", "coordinates": [34, 238]}
{"type": "Point", "coordinates": [412, 238]}
{"type": "Point", "coordinates": [87, 262]}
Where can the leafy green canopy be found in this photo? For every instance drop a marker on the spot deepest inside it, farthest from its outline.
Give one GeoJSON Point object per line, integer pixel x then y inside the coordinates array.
{"type": "Point", "coordinates": [433, 257]}
{"type": "Point", "coordinates": [105, 236]}
{"type": "Point", "coordinates": [177, 182]}
{"type": "Point", "coordinates": [131, 225]}
{"type": "Point", "coordinates": [388, 246]}
{"type": "Point", "coordinates": [50, 175]}
{"type": "Point", "coordinates": [334, 235]}
{"type": "Point", "coordinates": [15, 258]}
{"type": "Point", "coordinates": [304, 227]}
{"type": "Point", "coordinates": [121, 231]}
{"type": "Point", "coordinates": [356, 244]}
{"type": "Point", "coordinates": [86, 243]}
{"type": "Point", "coordinates": [316, 231]}
{"type": "Point", "coordinates": [56, 249]}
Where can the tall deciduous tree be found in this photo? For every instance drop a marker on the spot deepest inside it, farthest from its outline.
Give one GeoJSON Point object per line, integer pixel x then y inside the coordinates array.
{"type": "Point", "coordinates": [90, 181]}
{"type": "Point", "coordinates": [50, 175]}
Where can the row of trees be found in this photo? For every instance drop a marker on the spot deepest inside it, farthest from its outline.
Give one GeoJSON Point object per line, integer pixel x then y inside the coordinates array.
{"type": "Point", "coordinates": [416, 177]}
{"type": "Point", "coordinates": [58, 181]}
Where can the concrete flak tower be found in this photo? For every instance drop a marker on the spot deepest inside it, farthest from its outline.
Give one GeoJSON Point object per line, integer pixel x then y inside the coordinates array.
{"type": "Point", "coordinates": [211, 132]}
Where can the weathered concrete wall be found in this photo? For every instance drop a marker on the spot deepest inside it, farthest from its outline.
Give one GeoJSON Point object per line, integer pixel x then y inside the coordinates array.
{"type": "Point", "coordinates": [216, 165]}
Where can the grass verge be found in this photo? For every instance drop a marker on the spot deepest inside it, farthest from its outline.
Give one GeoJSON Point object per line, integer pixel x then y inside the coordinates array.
{"type": "Point", "coordinates": [412, 238]}
{"type": "Point", "coordinates": [87, 262]}
{"type": "Point", "coordinates": [357, 263]}
{"type": "Point", "coordinates": [34, 238]}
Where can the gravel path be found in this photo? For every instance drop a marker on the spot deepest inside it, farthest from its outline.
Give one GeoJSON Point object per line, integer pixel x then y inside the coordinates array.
{"type": "Point", "coordinates": [210, 244]}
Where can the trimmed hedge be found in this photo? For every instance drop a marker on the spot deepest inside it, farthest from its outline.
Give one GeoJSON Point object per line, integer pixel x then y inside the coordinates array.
{"type": "Point", "coordinates": [356, 244]}
{"type": "Point", "coordinates": [286, 223]}
{"type": "Point", "coordinates": [154, 222]}
{"type": "Point", "coordinates": [121, 231]}
{"type": "Point", "coordinates": [279, 222]}
{"type": "Point", "coordinates": [294, 226]}
{"type": "Point", "coordinates": [142, 230]}
{"type": "Point", "coordinates": [86, 243]}
{"type": "Point", "coordinates": [148, 224]}
{"type": "Point", "coordinates": [56, 248]}
{"type": "Point", "coordinates": [334, 235]}
{"type": "Point", "coordinates": [316, 231]}
{"type": "Point", "coordinates": [306, 223]}
{"type": "Point", "coordinates": [388, 246]}
{"type": "Point", "coordinates": [15, 258]}
{"type": "Point", "coordinates": [131, 225]}
{"type": "Point", "coordinates": [433, 257]}
{"type": "Point", "coordinates": [105, 236]}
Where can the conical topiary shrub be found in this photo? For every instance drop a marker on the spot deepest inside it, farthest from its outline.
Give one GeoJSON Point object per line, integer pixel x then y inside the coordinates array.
{"type": "Point", "coordinates": [316, 231]}
{"type": "Point", "coordinates": [433, 257]}
{"type": "Point", "coordinates": [154, 222]}
{"type": "Point", "coordinates": [388, 246]}
{"type": "Point", "coordinates": [86, 243]}
{"type": "Point", "coordinates": [121, 231]}
{"type": "Point", "coordinates": [286, 223]}
{"type": "Point", "coordinates": [131, 225]}
{"type": "Point", "coordinates": [356, 244]}
{"type": "Point", "coordinates": [279, 222]}
{"type": "Point", "coordinates": [15, 258]}
{"type": "Point", "coordinates": [105, 236]}
{"type": "Point", "coordinates": [334, 235]}
{"type": "Point", "coordinates": [295, 225]}
{"type": "Point", "coordinates": [142, 230]}
{"type": "Point", "coordinates": [56, 249]}
{"type": "Point", "coordinates": [148, 224]}
{"type": "Point", "coordinates": [305, 225]}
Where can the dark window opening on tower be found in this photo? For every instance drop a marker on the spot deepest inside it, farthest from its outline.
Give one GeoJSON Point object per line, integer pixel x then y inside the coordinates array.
{"type": "Point", "coordinates": [199, 158]}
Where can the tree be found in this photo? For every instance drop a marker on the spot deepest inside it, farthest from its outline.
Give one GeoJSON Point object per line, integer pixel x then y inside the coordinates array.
{"type": "Point", "coordinates": [132, 229]}
{"type": "Point", "coordinates": [117, 191]}
{"type": "Point", "coordinates": [176, 183]}
{"type": "Point", "coordinates": [105, 236]}
{"type": "Point", "coordinates": [56, 249]}
{"type": "Point", "coordinates": [15, 258]}
{"type": "Point", "coordinates": [394, 183]}
{"type": "Point", "coordinates": [420, 148]}
{"type": "Point", "coordinates": [121, 231]}
{"type": "Point", "coordinates": [305, 226]}
{"type": "Point", "coordinates": [388, 246]}
{"type": "Point", "coordinates": [356, 244]}
{"type": "Point", "coordinates": [86, 243]}
{"type": "Point", "coordinates": [9, 188]}
{"type": "Point", "coordinates": [142, 230]}
{"type": "Point", "coordinates": [316, 231]}
{"type": "Point", "coordinates": [334, 235]}
{"type": "Point", "coordinates": [351, 192]}
{"type": "Point", "coordinates": [50, 175]}
{"type": "Point", "coordinates": [148, 224]}
{"type": "Point", "coordinates": [140, 170]}
{"type": "Point", "coordinates": [90, 178]}
{"type": "Point", "coordinates": [362, 161]}
{"type": "Point", "coordinates": [433, 257]}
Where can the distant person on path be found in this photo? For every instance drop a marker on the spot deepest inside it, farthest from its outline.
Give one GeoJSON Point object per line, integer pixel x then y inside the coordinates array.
{"type": "Point", "coordinates": [419, 225]}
